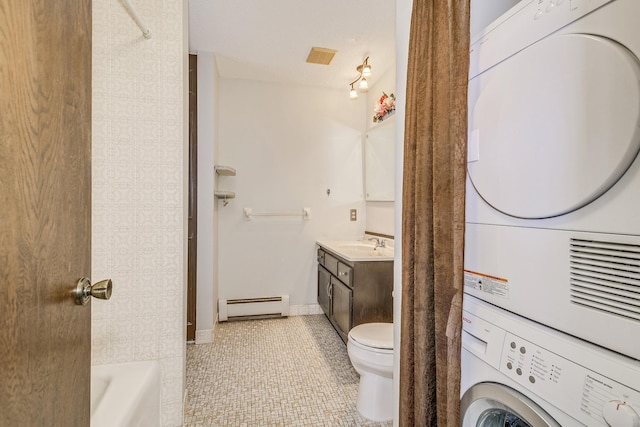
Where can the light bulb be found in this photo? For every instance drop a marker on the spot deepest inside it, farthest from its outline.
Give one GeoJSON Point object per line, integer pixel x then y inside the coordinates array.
{"type": "Point", "coordinates": [366, 70]}
{"type": "Point", "coordinates": [353, 94]}
{"type": "Point", "coordinates": [363, 86]}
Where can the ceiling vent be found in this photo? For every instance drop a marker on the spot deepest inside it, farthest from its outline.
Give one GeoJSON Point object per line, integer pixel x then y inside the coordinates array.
{"type": "Point", "coordinates": [321, 55]}
{"type": "Point", "coordinates": [606, 276]}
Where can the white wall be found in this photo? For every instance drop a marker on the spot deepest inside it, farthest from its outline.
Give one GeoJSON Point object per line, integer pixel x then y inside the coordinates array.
{"type": "Point", "coordinates": [207, 278]}
{"type": "Point", "coordinates": [139, 166]}
{"type": "Point", "coordinates": [289, 145]}
{"type": "Point", "coordinates": [484, 12]}
{"type": "Point", "coordinates": [380, 215]}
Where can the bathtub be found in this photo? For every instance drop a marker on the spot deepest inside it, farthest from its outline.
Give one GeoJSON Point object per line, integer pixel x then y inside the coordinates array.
{"type": "Point", "coordinates": [125, 395]}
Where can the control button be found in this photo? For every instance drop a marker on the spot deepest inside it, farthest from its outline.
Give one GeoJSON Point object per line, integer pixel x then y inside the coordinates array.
{"type": "Point", "coordinates": [509, 365]}
{"type": "Point", "coordinates": [523, 350]}
{"type": "Point", "coordinates": [532, 379]}
{"type": "Point", "coordinates": [537, 15]}
{"type": "Point", "coordinates": [519, 371]}
{"type": "Point", "coordinates": [513, 344]}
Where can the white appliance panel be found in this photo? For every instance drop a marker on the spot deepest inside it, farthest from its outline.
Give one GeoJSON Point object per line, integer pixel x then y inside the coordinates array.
{"type": "Point", "coordinates": [543, 275]}
{"type": "Point", "coordinates": [556, 125]}
{"type": "Point", "coordinates": [575, 382]}
{"type": "Point", "coordinates": [580, 174]}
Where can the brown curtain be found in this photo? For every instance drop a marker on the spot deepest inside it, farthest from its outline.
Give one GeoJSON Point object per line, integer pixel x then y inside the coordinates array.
{"type": "Point", "coordinates": [433, 213]}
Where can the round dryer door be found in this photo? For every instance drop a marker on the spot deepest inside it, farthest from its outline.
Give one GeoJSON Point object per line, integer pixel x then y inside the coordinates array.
{"type": "Point", "coordinates": [555, 126]}
{"type": "Point", "coordinates": [493, 405]}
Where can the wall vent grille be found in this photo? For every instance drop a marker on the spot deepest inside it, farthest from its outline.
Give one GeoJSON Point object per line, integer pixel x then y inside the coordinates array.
{"type": "Point", "coordinates": [321, 55]}
{"type": "Point", "coordinates": [605, 276]}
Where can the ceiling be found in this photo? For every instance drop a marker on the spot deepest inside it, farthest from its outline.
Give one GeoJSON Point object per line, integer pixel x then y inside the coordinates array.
{"type": "Point", "coordinates": [269, 40]}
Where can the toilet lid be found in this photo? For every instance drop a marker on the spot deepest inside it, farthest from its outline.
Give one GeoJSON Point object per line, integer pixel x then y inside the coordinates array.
{"type": "Point", "coordinates": [376, 335]}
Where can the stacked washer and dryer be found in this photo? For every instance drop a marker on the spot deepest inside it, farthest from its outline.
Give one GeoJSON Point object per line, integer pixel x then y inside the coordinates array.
{"type": "Point", "coordinates": [551, 316]}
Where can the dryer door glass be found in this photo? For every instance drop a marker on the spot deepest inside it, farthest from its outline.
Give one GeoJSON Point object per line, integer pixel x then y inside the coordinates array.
{"type": "Point", "coordinates": [500, 418]}
{"type": "Point", "coordinates": [492, 404]}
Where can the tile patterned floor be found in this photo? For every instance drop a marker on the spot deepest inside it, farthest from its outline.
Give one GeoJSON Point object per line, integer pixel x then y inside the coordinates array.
{"type": "Point", "coordinates": [277, 372]}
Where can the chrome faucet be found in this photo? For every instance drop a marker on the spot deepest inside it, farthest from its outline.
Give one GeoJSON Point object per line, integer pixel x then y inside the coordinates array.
{"type": "Point", "coordinates": [380, 243]}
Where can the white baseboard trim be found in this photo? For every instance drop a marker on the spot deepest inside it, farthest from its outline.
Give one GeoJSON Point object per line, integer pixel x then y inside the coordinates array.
{"type": "Point", "coordinates": [305, 309]}
{"type": "Point", "coordinates": [204, 337]}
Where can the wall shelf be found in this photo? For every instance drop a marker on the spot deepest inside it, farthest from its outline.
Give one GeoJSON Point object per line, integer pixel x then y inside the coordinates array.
{"type": "Point", "coordinates": [225, 170]}
{"type": "Point", "coordinates": [224, 194]}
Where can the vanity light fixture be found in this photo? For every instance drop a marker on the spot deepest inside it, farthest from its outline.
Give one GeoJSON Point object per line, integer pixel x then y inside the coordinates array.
{"type": "Point", "coordinates": [353, 94]}
{"type": "Point", "coordinates": [364, 71]}
{"type": "Point", "coordinates": [363, 86]}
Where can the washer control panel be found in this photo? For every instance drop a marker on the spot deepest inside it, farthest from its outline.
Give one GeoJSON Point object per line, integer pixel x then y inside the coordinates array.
{"type": "Point", "coordinates": [588, 396]}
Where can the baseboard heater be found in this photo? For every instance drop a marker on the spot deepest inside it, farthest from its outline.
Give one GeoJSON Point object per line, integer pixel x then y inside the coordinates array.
{"type": "Point", "coordinates": [253, 308]}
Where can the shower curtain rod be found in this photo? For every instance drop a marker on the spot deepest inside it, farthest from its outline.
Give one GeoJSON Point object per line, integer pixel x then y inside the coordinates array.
{"type": "Point", "coordinates": [146, 33]}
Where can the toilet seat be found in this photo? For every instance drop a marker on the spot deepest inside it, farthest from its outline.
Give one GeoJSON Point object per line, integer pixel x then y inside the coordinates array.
{"type": "Point", "coordinates": [370, 349]}
{"type": "Point", "coordinates": [373, 336]}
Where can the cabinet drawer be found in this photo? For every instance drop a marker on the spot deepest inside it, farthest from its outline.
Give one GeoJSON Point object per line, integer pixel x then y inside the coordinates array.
{"type": "Point", "coordinates": [320, 257]}
{"type": "Point", "coordinates": [345, 274]}
{"type": "Point", "coordinates": [331, 263]}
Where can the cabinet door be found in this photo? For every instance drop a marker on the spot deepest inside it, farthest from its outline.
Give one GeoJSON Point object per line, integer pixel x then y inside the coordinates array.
{"type": "Point", "coordinates": [324, 284]}
{"type": "Point", "coordinates": [341, 306]}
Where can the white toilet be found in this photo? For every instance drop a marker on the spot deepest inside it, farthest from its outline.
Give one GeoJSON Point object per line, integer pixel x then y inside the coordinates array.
{"type": "Point", "coordinates": [370, 349]}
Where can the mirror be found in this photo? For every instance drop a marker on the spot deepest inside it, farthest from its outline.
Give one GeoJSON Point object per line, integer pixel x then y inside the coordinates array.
{"type": "Point", "coordinates": [379, 155]}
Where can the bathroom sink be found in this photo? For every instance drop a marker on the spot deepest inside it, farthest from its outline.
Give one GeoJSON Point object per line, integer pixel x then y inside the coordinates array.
{"type": "Point", "coordinates": [355, 246]}
{"type": "Point", "coordinates": [358, 250]}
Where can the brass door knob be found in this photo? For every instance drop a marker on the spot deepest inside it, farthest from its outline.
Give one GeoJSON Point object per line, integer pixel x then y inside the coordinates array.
{"type": "Point", "coordinates": [85, 290]}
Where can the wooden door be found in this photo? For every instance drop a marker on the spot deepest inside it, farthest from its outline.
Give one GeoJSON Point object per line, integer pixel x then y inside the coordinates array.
{"type": "Point", "coordinates": [192, 246]}
{"type": "Point", "coordinates": [45, 211]}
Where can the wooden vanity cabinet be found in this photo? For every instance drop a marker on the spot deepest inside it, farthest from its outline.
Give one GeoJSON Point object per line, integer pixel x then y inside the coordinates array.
{"type": "Point", "coordinates": [354, 292]}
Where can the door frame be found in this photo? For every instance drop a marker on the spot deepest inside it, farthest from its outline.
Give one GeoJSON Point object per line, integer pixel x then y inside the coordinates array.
{"type": "Point", "coordinates": [192, 263]}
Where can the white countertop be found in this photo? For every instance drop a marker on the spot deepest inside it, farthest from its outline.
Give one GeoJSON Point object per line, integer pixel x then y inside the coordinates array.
{"type": "Point", "coordinates": [357, 250]}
